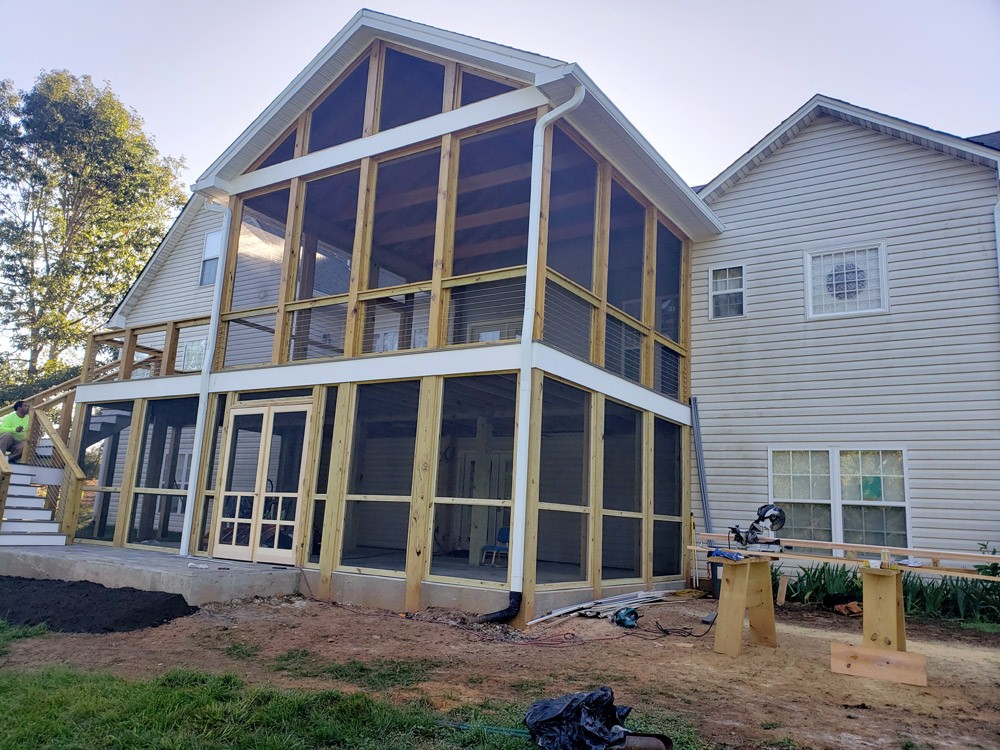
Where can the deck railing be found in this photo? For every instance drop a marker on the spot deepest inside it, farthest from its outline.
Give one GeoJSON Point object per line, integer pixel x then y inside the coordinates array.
{"type": "Point", "coordinates": [174, 348]}
{"type": "Point", "coordinates": [5, 475]}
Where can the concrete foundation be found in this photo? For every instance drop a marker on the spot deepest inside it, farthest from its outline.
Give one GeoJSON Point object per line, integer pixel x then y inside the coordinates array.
{"type": "Point", "coordinates": [211, 580]}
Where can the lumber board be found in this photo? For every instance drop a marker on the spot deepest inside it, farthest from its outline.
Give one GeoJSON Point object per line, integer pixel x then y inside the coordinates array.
{"type": "Point", "coordinates": [891, 666]}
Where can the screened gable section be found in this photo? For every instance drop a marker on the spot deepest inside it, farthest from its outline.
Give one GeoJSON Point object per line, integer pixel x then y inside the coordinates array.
{"type": "Point", "coordinates": [385, 87]}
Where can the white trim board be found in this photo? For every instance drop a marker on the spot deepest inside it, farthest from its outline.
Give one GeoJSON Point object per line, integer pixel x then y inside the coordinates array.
{"type": "Point", "coordinates": [165, 387]}
{"type": "Point", "coordinates": [595, 378]}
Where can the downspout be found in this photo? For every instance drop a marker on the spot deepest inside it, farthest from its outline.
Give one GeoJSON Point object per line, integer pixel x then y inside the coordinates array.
{"type": "Point", "coordinates": [519, 520]}
{"type": "Point", "coordinates": [996, 224]}
{"type": "Point", "coordinates": [206, 373]}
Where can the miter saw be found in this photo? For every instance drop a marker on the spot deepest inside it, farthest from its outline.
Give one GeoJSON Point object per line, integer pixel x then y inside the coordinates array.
{"type": "Point", "coordinates": [770, 518]}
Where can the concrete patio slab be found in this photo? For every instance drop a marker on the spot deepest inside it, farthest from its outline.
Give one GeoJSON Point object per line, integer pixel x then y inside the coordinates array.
{"type": "Point", "coordinates": [198, 579]}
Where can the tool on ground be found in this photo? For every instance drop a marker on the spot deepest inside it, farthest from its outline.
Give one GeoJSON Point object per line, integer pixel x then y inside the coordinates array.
{"type": "Point", "coordinates": [626, 617]}
{"type": "Point", "coordinates": [770, 518]}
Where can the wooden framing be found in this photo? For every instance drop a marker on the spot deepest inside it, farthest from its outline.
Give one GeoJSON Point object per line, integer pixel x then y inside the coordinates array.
{"type": "Point", "coordinates": [207, 447]}
{"type": "Point", "coordinates": [228, 279]}
{"type": "Point", "coordinates": [336, 488]}
{"type": "Point", "coordinates": [425, 463]}
{"type": "Point", "coordinates": [648, 464]}
{"type": "Point", "coordinates": [648, 296]}
{"type": "Point", "coordinates": [543, 237]}
{"type": "Point", "coordinates": [362, 256]}
{"type": "Point", "coordinates": [444, 240]}
{"type": "Point", "coordinates": [125, 500]}
{"type": "Point", "coordinates": [307, 492]}
{"type": "Point", "coordinates": [602, 238]}
{"type": "Point", "coordinates": [746, 587]}
{"type": "Point", "coordinates": [289, 269]}
{"type": "Point", "coordinates": [595, 559]}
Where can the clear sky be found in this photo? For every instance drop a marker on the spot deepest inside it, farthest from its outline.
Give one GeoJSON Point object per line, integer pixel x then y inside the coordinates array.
{"type": "Point", "coordinates": [703, 80]}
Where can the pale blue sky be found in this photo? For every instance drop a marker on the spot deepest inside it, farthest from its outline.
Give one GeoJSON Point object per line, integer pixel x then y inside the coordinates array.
{"type": "Point", "coordinates": [703, 81]}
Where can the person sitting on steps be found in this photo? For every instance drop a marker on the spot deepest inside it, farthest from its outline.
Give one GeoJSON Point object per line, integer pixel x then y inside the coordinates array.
{"type": "Point", "coordinates": [14, 431]}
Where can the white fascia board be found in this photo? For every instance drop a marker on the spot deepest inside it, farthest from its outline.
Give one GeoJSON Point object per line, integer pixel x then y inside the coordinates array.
{"type": "Point", "coordinates": [167, 387]}
{"type": "Point", "coordinates": [819, 101]}
{"type": "Point", "coordinates": [371, 23]}
{"type": "Point", "coordinates": [662, 184]}
{"type": "Point", "coordinates": [492, 358]}
{"type": "Point", "coordinates": [418, 34]}
{"type": "Point", "coordinates": [462, 118]}
{"type": "Point", "coordinates": [353, 26]}
{"type": "Point", "coordinates": [596, 379]}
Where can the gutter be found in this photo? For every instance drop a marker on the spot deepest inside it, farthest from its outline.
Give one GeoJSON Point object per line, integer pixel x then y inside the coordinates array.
{"type": "Point", "coordinates": [205, 378]}
{"type": "Point", "coordinates": [519, 520]}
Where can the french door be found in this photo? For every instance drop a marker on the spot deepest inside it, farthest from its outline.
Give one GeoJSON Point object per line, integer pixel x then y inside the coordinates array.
{"type": "Point", "coordinates": [261, 504]}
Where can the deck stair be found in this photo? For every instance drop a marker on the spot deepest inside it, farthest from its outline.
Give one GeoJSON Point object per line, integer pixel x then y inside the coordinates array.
{"type": "Point", "coordinates": [26, 520]}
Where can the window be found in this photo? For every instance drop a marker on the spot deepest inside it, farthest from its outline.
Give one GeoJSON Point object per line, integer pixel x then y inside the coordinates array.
{"type": "Point", "coordinates": [210, 258]}
{"type": "Point", "coordinates": [856, 496]}
{"type": "Point", "coordinates": [845, 282]}
{"type": "Point", "coordinates": [726, 290]}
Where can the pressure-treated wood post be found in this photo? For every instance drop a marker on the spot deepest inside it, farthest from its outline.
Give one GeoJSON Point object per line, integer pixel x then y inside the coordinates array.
{"type": "Point", "coordinates": [883, 622]}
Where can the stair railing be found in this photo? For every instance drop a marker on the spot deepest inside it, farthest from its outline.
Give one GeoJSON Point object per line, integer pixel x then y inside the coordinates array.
{"type": "Point", "coordinates": [5, 474]}
{"type": "Point", "coordinates": [65, 493]}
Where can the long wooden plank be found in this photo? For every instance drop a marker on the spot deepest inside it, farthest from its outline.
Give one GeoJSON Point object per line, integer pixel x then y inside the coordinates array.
{"type": "Point", "coordinates": [425, 464]}
{"type": "Point", "coordinates": [891, 666]}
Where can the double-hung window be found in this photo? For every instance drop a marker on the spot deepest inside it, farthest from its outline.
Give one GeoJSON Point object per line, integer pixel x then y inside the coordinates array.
{"type": "Point", "coordinates": [726, 292]}
{"type": "Point", "coordinates": [846, 281]}
{"type": "Point", "coordinates": [850, 495]}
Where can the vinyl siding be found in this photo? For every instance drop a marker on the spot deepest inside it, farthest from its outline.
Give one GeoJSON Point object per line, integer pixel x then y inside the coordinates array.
{"type": "Point", "coordinates": [924, 377]}
{"type": "Point", "coordinates": [173, 291]}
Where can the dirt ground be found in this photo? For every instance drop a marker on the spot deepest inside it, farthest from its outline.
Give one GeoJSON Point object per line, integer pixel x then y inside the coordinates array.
{"type": "Point", "coordinates": [765, 698]}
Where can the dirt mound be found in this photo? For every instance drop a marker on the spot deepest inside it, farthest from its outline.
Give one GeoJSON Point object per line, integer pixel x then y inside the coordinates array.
{"type": "Point", "coordinates": [83, 607]}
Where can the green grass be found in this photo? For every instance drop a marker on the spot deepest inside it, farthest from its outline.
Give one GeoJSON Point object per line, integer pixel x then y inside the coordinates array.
{"type": "Point", "coordinates": [186, 710]}
{"type": "Point", "coordinates": [380, 674]}
{"type": "Point", "coordinates": [982, 627]}
{"type": "Point", "coordinates": [10, 633]}
{"type": "Point", "coordinates": [239, 650]}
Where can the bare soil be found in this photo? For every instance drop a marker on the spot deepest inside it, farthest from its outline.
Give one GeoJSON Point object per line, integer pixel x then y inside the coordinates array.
{"type": "Point", "coordinates": [765, 698]}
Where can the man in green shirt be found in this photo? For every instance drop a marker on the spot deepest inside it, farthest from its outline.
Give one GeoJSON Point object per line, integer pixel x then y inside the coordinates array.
{"type": "Point", "coordinates": [14, 431]}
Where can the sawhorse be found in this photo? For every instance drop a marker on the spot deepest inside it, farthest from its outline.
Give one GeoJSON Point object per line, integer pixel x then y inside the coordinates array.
{"type": "Point", "coordinates": [745, 589]}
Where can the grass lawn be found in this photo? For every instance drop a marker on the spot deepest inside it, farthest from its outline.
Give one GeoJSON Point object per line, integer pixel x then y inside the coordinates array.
{"type": "Point", "coordinates": [185, 710]}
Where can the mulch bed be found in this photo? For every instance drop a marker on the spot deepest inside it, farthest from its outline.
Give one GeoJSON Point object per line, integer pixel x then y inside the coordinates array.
{"type": "Point", "coordinates": [83, 607]}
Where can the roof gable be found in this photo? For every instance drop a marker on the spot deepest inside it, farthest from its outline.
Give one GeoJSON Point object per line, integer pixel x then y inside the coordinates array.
{"type": "Point", "coordinates": [822, 106]}
{"type": "Point", "coordinates": [352, 41]}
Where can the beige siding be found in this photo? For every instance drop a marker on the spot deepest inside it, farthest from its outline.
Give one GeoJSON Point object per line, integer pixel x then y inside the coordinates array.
{"type": "Point", "coordinates": [924, 377]}
{"type": "Point", "coordinates": [173, 291]}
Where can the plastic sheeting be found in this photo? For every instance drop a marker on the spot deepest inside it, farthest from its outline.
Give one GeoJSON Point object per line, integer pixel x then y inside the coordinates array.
{"type": "Point", "coordinates": [578, 721]}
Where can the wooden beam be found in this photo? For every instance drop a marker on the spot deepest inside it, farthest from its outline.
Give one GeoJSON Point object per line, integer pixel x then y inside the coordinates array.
{"type": "Point", "coordinates": [373, 91]}
{"type": "Point", "coordinates": [602, 237]}
{"type": "Point", "coordinates": [336, 486]}
{"type": "Point", "coordinates": [882, 600]}
{"type": "Point", "coordinates": [889, 666]}
{"type": "Point", "coordinates": [595, 553]}
{"type": "Point", "coordinates": [648, 297]}
{"type": "Point", "coordinates": [444, 240]}
{"type": "Point", "coordinates": [648, 463]}
{"type": "Point", "coordinates": [543, 237]}
{"type": "Point", "coordinates": [128, 355]}
{"type": "Point", "coordinates": [123, 516]}
{"type": "Point", "coordinates": [218, 347]}
{"type": "Point", "coordinates": [201, 477]}
{"type": "Point", "coordinates": [169, 361]}
{"type": "Point", "coordinates": [289, 268]}
{"type": "Point", "coordinates": [685, 313]}
{"type": "Point", "coordinates": [420, 545]}
{"type": "Point", "coordinates": [746, 587]}
{"type": "Point", "coordinates": [361, 256]}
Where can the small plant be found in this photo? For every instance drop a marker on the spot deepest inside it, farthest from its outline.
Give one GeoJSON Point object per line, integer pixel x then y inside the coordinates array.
{"type": "Point", "coordinates": [10, 633]}
{"type": "Point", "coordinates": [990, 569]}
{"type": "Point", "coordinates": [239, 650]}
{"type": "Point", "coordinates": [771, 725]}
{"type": "Point", "coordinates": [534, 688]}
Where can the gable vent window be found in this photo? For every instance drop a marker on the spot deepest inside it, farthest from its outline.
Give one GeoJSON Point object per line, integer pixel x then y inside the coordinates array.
{"type": "Point", "coordinates": [845, 282]}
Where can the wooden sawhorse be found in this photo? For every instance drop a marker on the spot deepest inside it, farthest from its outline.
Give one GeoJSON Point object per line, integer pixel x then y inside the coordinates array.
{"type": "Point", "coordinates": [746, 588]}
{"type": "Point", "coordinates": [882, 654]}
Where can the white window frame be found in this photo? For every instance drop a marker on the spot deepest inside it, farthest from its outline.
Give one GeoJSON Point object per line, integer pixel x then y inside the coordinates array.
{"type": "Point", "coordinates": [836, 500]}
{"type": "Point", "coordinates": [807, 257]}
{"type": "Point", "coordinates": [211, 250]}
{"type": "Point", "coordinates": [712, 293]}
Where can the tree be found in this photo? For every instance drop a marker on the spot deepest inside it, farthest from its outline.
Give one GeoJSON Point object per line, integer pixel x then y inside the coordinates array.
{"type": "Point", "coordinates": [84, 198]}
